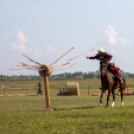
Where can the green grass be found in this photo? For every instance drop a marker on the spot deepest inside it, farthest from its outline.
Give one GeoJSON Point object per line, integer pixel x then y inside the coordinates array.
{"type": "Point", "coordinates": [73, 114]}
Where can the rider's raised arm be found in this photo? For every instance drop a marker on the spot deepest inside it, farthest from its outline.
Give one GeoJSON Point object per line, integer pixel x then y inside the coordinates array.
{"type": "Point", "coordinates": [93, 57]}
{"type": "Point", "coordinates": [97, 56]}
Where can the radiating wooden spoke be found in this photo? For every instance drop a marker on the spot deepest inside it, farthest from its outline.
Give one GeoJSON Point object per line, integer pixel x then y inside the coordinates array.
{"type": "Point", "coordinates": [23, 64]}
{"type": "Point", "coordinates": [62, 56]}
{"type": "Point", "coordinates": [60, 65]}
{"type": "Point", "coordinates": [31, 59]}
{"type": "Point", "coordinates": [19, 68]}
{"type": "Point", "coordinates": [64, 67]}
{"type": "Point", "coordinates": [80, 55]}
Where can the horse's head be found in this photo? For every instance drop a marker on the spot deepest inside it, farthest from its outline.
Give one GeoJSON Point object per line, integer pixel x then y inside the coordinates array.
{"type": "Point", "coordinates": [103, 68]}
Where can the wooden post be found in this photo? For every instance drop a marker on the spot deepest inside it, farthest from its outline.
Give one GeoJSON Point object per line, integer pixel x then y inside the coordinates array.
{"type": "Point", "coordinates": [36, 89]}
{"type": "Point", "coordinates": [3, 86]}
{"type": "Point", "coordinates": [88, 90]}
{"type": "Point", "coordinates": [47, 95]}
{"type": "Point", "coordinates": [4, 91]}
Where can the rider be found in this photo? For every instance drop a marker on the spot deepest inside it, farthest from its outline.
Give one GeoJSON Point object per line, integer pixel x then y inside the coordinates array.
{"type": "Point", "coordinates": [107, 57]}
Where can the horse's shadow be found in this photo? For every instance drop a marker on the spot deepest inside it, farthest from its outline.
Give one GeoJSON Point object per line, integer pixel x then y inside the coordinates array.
{"type": "Point", "coordinates": [74, 108]}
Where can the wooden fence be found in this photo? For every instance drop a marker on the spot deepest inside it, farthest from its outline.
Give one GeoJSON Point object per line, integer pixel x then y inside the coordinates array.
{"type": "Point", "coordinates": [6, 91]}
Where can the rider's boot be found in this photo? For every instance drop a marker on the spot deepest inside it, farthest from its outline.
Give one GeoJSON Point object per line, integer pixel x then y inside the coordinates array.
{"type": "Point", "coordinates": [118, 78]}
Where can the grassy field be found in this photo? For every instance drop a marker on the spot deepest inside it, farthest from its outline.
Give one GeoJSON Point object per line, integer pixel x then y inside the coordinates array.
{"type": "Point", "coordinates": [73, 114]}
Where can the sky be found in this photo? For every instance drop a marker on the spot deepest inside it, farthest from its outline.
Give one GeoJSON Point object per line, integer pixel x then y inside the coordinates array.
{"type": "Point", "coordinates": [46, 29]}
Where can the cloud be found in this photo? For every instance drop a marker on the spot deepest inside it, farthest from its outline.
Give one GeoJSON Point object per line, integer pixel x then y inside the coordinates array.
{"type": "Point", "coordinates": [111, 34]}
{"type": "Point", "coordinates": [19, 45]}
{"type": "Point", "coordinates": [50, 48]}
{"type": "Point", "coordinates": [113, 39]}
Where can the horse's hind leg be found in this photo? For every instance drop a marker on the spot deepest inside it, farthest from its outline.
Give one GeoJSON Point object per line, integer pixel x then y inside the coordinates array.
{"type": "Point", "coordinates": [108, 98]}
{"type": "Point", "coordinates": [122, 87]}
{"type": "Point", "coordinates": [122, 102]}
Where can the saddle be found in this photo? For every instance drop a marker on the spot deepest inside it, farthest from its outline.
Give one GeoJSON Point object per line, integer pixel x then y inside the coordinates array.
{"type": "Point", "coordinates": [116, 77]}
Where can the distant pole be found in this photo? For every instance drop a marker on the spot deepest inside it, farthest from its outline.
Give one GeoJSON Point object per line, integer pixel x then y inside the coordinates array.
{"type": "Point", "coordinates": [36, 89]}
{"type": "Point", "coordinates": [4, 91]}
{"type": "Point", "coordinates": [3, 86]}
{"type": "Point", "coordinates": [88, 90]}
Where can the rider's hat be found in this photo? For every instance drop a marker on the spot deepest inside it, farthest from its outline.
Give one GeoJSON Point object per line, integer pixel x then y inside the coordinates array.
{"type": "Point", "coordinates": [101, 50]}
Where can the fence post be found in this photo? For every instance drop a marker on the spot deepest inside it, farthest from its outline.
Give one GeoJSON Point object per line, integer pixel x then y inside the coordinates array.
{"type": "Point", "coordinates": [3, 86]}
{"type": "Point", "coordinates": [88, 90]}
{"type": "Point", "coordinates": [36, 89]}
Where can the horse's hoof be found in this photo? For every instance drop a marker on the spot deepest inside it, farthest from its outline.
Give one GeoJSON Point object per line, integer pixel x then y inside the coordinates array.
{"type": "Point", "coordinates": [100, 104]}
{"type": "Point", "coordinates": [106, 106]}
{"type": "Point", "coordinates": [122, 103]}
{"type": "Point", "coordinates": [112, 105]}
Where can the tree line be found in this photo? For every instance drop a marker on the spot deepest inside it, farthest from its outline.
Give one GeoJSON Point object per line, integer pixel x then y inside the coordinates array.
{"type": "Point", "coordinates": [95, 74]}
{"type": "Point", "coordinates": [78, 74]}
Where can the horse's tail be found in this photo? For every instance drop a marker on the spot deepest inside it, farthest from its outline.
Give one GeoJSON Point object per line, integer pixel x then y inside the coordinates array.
{"type": "Point", "coordinates": [124, 82]}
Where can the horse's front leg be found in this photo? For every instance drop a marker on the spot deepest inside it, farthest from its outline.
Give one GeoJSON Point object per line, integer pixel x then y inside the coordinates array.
{"type": "Point", "coordinates": [113, 98]}
{"type": "Point", "coordinates": [103, 91]}
{"type": "Point", "coordinates": [108, 97]}
{"type": "Point", "coordinates": [101, 98]}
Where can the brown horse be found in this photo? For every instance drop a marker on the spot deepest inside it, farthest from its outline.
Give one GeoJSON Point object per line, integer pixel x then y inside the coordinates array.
{"type": "Point", "coordinates": [109, 82]}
